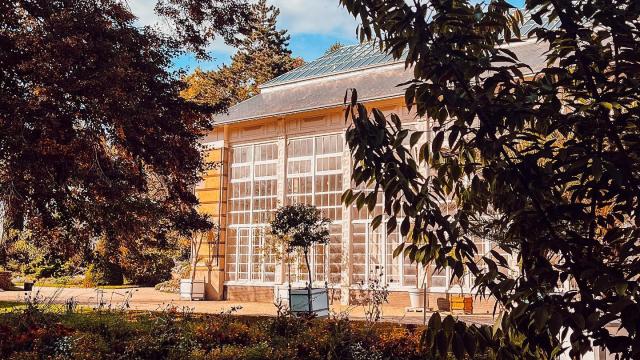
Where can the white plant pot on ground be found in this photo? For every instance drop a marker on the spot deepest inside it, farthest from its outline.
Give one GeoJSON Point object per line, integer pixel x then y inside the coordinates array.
{"type": "Point", "coordinates": [416, 297]}
{"type": "Point", "coordinates": [281, 294]}
{"type": "Point", "coordinates": [191, 289]}
{"type": "Point", "coordinates": [305, 300]}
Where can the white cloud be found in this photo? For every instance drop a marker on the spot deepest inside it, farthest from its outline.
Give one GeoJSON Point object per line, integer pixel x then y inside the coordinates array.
{"type": "Point", "coordinates": [325, 17]}
{"type": "Point", "coordinates": [143, 9]}
{"type": "Point", "coordinates": [322, 17]}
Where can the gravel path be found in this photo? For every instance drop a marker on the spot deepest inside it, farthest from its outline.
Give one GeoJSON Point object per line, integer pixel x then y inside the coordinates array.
{"type": "Point", "coordinates": [149, 299]}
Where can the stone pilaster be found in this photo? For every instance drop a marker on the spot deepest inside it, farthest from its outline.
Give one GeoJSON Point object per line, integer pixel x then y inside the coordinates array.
{"type": "Point", "coordinates": [281, 187]}
{"type": "Point", "coordinates": [345, 276]}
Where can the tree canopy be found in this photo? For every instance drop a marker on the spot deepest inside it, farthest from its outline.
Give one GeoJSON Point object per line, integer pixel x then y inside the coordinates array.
{"type": "Point", "coordinates": [300, 226]}
{"type": "Point", "coordinates": [549, 160]}
{"type": "Point", "coordinates": [262, 55]}
{"type": "Point", "coordinates": [334, 47]}
{"type": "Point", "coordinates": [95, 139]}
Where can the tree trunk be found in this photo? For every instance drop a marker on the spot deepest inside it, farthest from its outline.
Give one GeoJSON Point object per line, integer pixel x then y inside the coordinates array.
{"type": "Point", "coordinates": [306, 259]}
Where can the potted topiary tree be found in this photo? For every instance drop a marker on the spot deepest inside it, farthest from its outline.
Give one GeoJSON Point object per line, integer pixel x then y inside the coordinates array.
{"type": "Point", "coordinates": [300, 227]}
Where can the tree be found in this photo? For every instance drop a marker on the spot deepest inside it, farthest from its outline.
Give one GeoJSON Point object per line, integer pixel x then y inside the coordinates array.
{"type": "Point", "coordinates": [551, 161]}
{"type": "Point", "coordinates": [300, 226]}
{"type": "Point", "coordinates": [96, 140]}
{"type": "Point", "coordinates": [262, 55]}
{"type": "Point", "coordinates": [333, 48]}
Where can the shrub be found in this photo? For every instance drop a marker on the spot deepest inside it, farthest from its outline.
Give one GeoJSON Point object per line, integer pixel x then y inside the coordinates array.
{"type": "Point", "coordinates": [172, 334]}
{"type": "Point", "coordinates": [148, 269]}
{"type": "Point", "coordinates": [103, 273]}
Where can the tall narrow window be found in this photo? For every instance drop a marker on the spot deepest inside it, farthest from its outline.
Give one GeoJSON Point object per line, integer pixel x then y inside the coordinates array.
{"type": "Point", "coordinates": [253, 198]}
{"type": "Point", "coordinates": [314, 176]}
{"type": "Point", "coordinates": [372, 249]}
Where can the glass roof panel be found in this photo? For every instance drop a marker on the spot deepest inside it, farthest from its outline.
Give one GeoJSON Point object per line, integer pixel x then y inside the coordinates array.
{"type": "Point", "coordinates": [353, 57]}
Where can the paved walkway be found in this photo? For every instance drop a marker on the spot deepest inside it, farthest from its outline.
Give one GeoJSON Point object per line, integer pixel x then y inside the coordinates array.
{"type": "Point", "coordinates": [149, 299]}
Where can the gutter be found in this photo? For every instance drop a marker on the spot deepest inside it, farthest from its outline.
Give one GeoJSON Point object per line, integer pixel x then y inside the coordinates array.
{"type": "Point", "coordinates": [298, 111]}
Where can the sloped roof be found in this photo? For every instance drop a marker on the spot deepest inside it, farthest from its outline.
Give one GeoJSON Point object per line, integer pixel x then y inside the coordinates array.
{"type": "Point", "coordinates": [318, 94]}
{"type": "Point", "coordinates": [376, 82]}
{"type": "Point", "coordinates": [368, 54]}
{"type": "Point", "coordinates": [345, 59]}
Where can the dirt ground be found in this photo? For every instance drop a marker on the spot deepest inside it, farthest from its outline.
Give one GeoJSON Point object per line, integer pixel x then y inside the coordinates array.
{"type": "Point", "coordinates": [149, 299]}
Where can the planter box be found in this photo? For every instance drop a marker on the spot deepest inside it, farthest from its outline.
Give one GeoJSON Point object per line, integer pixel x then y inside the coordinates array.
{"type": "Point", "coordinates": [304, 301]}
{"type": "Point", "coordinates": [191, 290]}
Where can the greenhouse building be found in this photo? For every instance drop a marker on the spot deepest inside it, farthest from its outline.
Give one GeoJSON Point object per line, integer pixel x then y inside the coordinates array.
{"type": "Point", "coordinates": [287, 145]}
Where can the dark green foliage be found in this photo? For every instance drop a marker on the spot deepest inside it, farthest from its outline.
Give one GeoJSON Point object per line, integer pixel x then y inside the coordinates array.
{"type": "Point", "coordinates": [262, 55]}
{"type": "Point", "coordinates": [302, 225]}
{"type": "Point", "coordinates": [95, 139]}
{"type": "Point", "coordinates": [148, 268]}
{"type": "Point", "coordinates": [549, 161]}
{"type": "Point", "coordinates": [103, 272]}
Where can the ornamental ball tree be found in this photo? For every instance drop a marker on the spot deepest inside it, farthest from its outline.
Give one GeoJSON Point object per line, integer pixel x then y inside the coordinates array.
{"type": "Point", "coordinates": [300, 226]}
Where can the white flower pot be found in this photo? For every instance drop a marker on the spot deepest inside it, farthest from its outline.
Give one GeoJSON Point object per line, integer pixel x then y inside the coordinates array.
{"type": "Point", "coordinates": [191, 290]}
{"type": "Point", "coordinates": [281, 294]}
{"type": "Point", "coordinates": [306, 300]}
{"type": "Point", "coordinates": [416, 297]}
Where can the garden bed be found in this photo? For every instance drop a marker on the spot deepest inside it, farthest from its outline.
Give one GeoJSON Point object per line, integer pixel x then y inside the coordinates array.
{"type": "Point", "coordinates": [33, 332]}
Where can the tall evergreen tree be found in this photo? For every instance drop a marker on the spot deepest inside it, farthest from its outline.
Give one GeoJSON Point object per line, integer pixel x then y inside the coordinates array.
{"type": "Point", "coordinates": [262, 55]}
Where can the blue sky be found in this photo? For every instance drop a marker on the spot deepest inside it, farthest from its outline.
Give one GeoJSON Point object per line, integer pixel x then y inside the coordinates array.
{"type": "Point", "coordinates": [314, 25]}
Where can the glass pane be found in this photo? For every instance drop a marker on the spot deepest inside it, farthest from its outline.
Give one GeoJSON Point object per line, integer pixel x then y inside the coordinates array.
{"type": "Point", "coordinates": [358, 254]}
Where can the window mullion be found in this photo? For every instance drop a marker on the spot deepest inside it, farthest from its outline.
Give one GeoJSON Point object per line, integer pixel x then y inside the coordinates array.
{"type": "Point", "coordinates": [367, 271]}
{"type": "Point", "coordinates": [252, 189]}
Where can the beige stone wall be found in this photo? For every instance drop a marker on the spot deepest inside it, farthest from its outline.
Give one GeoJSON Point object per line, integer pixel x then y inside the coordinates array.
{"type": "Point", "coordinates": [211, 193]}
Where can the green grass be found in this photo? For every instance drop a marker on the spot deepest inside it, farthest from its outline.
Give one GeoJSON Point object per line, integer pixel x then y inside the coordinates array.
{"type": "Point", "coordinates": [9, 304]}
{"type": "Point", "coordinates": [75, 286]}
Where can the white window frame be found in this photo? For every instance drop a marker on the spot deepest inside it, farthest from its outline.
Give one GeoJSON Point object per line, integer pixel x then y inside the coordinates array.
{"type": "Point", "coordinates": [250, 226]}
{"type": "Point", "coordinates": [295, 273]}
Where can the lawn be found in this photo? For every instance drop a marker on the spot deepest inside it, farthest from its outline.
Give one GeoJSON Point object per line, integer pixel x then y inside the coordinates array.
{"type": "Point", "coordinates": [34, 332]}
{"type": "Point", "coordinates": [73, 285]}
{"type": "Point", "coordinates": [9, 304]}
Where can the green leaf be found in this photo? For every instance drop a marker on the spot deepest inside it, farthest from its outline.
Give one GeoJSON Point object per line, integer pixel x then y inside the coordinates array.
{"type": "Point", "coordinates": [470, 343]}
{"type": "Point", "coordinates": [541, 316]}
{"type": "Point", "coordinates": [375, 223]}
{"type": "Point", "coordinates": [458, 346]}
{"type": "Point", "coordinates": [435, 322]}
{"type": "Point", "coordinates": [497, 324]}
{"type": "Point", "coordinates": [415, 137]}
{"type": "Point", "coordinates": [398, 250]}
{"type": "Point", "coordinates": [442, 341]}
{"type": "Point", "coordinates": [437, 142]}
{"type": "Point", "coordinates": [405, 226]}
